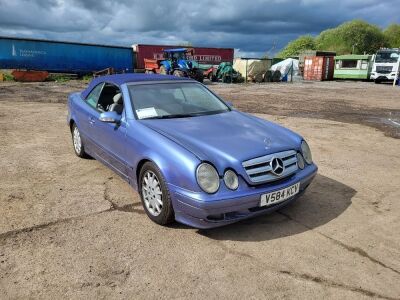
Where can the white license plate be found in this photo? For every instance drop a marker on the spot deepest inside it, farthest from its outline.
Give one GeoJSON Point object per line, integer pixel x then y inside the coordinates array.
{"type": "Point", "coordinates": [279, 196]}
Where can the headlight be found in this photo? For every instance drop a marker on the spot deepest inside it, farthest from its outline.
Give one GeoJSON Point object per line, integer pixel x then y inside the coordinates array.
{"type": "Point", "coordinates": [207, 178]}
{"type": "Point", "coordinates": [231, 180]}
{"type": "Point", "coordinates": [305, 149]}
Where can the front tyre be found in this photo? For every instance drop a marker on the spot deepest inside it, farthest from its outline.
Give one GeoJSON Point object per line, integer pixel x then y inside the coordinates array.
{"type": "Point", "coordinates": [154, 194]}
{"type": "Point", "coordinates": [163, 70]}
{"type": "Point", "coordinates": [77, 142]}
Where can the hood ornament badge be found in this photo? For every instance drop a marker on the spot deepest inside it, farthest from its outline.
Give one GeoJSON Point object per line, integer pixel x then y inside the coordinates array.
{"type": "Point", "coordinates": [267, 142]}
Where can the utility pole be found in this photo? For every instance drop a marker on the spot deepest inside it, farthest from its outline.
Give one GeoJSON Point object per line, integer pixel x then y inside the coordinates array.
{"type": "Point", "coordinates": [266, 54]}
{"type": "Point", "coordinates": [397, 73]}
{"type": "Point", "coordinates": [246, 70]}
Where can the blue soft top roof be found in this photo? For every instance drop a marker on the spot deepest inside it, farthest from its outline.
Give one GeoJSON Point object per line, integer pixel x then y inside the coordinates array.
{"type": "Point", "coordinates": [175, 50]}
{"type": "Point", "coordinates": [119, 79]}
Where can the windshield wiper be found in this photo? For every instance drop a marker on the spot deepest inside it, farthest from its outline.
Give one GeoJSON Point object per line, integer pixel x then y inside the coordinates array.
{"type": "Point", "coordinates": [175, 116]}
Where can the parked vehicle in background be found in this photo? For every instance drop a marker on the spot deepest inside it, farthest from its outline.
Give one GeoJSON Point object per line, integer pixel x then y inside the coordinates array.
{"type": "Point", "coordinates": [177, 63]}
{"type": "Point", "coordinates": [386, 65]}
{"type": "Point", "coordinates": [353, 66]}
{"type": "Point", "coordinates": [223, 72]}
{"type": "Point", "coordinates": [63, 57]}
{"type": "Point", "coordinates": [210, 73]}
{"type": "Point", "coordinates": [204, 56]}
{"type": "Point", "coordinates": [190, 155]}
{"type": "Point", "coordinates": [226, 73]}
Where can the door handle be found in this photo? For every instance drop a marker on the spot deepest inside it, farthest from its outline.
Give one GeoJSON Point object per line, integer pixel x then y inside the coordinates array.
{"type": "Point", "coordinates": [91, 120]}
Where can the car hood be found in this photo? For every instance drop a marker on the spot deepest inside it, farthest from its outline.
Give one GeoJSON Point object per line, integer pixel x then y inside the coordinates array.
{"type": "Point", "coordinates": [227, 138]}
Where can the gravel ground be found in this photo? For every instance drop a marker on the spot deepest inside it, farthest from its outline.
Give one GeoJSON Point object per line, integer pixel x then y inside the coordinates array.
{"type": "Point", "coordinates": [71, 228]}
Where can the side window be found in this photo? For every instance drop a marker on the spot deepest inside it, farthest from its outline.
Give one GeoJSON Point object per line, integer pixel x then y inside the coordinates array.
{"type": "Point", "coordinates": [94, 95]}
{"type": "Point", "coordinates": [110, 98]}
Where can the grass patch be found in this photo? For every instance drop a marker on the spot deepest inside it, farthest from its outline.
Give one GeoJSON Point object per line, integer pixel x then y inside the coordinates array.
{"type": "Point", "coordinates": [59, 78]}
{"type": "Point", "coordinates": [87, 77]}
{"type": "Point", "coordinates": [8, 77]}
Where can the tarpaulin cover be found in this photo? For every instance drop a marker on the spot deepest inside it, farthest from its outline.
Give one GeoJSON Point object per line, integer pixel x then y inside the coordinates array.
{"type": "Point", "coordinates": [254, 66]}
{"type": "Point", "coordinates": [285, 67]}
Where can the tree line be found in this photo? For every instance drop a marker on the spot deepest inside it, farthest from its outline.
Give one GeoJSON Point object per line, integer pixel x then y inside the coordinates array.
{"type": "Point", "coordinates": [357, 37]}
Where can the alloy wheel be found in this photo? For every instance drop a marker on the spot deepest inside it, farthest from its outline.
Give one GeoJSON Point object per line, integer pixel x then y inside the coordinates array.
{"type": "Point", "coordinates": [152, 194]}
{"type": "Point", "coordinates": [77, 140]}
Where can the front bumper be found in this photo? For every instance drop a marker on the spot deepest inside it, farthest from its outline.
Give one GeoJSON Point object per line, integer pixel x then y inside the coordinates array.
{"type": "Point", "coordinates": [383, 77]}
{"type": "Point", "coordinates": [241, 205]}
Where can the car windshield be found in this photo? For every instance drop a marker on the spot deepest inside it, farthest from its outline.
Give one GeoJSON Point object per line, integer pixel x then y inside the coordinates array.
{"type": "Point", "coordinates": [387, 57]}
{"type": "Point", "coordinates": [174, 100]}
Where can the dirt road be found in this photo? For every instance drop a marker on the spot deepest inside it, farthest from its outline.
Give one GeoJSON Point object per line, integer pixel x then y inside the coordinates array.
{"type": "Point", "coordinates": [71, 228]}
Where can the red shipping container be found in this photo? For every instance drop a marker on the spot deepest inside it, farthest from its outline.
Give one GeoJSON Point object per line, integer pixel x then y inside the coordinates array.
{"type": "Point", "coordinates": [209, 56]}
{"type": "Point", "coordinates": [318, 68]}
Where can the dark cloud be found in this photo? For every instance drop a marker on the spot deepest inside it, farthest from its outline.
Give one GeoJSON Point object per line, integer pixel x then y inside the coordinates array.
{"type": "Point", "coordinates": [254, 27]}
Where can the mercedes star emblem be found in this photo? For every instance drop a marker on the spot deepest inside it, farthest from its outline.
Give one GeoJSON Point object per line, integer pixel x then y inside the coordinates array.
{"type": "Point", "coordinates": [277, 166]}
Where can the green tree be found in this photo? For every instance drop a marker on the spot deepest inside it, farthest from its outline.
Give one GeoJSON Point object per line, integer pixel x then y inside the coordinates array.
{"type": "Point", "coordinates": [358, 35]}
{"type": "Point", "coordinates": [392, 35]}
{"type": "Point", "coordinates": [305, 42]}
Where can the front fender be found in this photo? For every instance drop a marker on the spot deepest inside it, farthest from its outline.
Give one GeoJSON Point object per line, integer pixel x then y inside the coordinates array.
{"type": "Point", "coordinates": [177, 164]}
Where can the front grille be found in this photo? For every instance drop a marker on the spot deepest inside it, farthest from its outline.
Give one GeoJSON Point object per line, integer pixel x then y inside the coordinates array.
{"type": "Point", "coordinates": [384, 69]}
{"type": "Point", "coordinates": [259, 169]}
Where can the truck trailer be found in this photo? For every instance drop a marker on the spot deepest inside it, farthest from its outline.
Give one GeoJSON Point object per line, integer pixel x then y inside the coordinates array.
{"type": "Point", "coordinates": [204, 56]}
{"type": "Point", "coordinates": [63, 57]}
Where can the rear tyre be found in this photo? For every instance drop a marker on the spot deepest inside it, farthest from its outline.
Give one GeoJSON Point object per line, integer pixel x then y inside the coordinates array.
{"type": "Point", "coordinates": [154, 194]}
{"type": "Point", "coordinates": [226, 79]}
{"type": "Point", "coordinates": [199, 75]}
{"type": "Point", "coordinates": [77, 142]}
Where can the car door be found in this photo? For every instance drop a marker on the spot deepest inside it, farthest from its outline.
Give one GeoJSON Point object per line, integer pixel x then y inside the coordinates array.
{"type": "Point", "coordinates": [111, 139]}
{"type": "Point", "coordinates": [87, 116]}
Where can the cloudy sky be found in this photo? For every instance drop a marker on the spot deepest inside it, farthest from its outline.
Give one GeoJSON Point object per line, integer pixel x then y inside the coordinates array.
{"type": "Point", "coordinates": [253, 27]}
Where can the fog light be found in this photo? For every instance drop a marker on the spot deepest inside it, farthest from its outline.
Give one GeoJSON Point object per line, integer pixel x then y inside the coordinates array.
{"type": "Point", "coordinates": [231, 180]}
{"type": "Point", "coordinates": [300, 161]}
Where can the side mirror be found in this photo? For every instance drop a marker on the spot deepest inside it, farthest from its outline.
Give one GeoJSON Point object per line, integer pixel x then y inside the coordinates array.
{"type": "Point", "coordinates": [230, 103]}
{"type": "Point", "coordinates": [110, 117]}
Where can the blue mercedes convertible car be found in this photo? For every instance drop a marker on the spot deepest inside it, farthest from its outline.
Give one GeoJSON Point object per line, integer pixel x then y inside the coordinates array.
{"type": "Point", "coordinates": [191, 156]}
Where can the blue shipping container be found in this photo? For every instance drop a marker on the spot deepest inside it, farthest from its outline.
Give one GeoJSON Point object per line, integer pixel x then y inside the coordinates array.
{"type": "Point", "coordinates": [63, 57]}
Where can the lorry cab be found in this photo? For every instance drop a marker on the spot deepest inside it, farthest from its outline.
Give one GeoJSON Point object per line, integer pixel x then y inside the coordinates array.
{"type": "Point", "coordinates": [386, 65]}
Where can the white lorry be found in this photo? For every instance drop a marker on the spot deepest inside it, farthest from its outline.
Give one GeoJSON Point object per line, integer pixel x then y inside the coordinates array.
{"type": "Point", "coordinates": [386, 65]}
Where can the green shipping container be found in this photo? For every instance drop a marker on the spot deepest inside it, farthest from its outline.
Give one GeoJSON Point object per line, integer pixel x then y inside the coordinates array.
{"type": "Point", "coordinates": [353, 66]}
